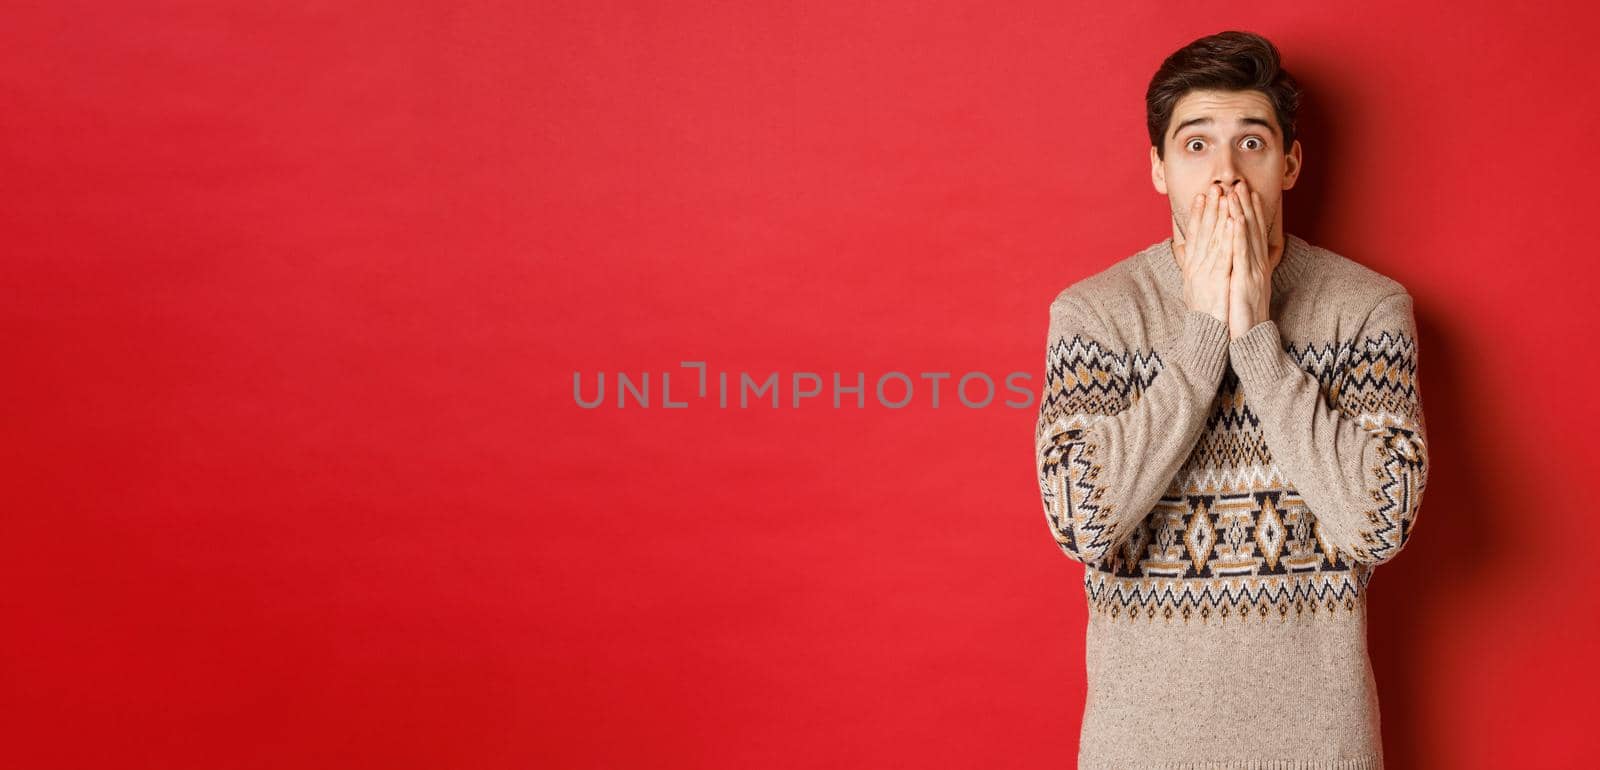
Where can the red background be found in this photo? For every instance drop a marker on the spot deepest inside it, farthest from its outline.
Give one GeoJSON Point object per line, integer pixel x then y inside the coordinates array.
{"type": "Point", "coordinates": [294, 476]}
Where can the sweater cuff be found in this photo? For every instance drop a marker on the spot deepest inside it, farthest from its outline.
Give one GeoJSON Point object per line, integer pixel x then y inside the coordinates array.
{"type": "Point", "coordinates": [1201, 347]}
{"type": "Point", "coordinates": [1257, 355]}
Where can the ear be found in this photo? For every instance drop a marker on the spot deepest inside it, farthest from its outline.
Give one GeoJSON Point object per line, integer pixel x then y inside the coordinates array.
{"type": "Point", "coordinates": [1158, 172]}
{"type": "Point", "coordinates": [1291, 165]}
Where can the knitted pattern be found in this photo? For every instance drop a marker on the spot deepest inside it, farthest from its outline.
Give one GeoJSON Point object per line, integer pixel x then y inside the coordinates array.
{"type": "Point", "coordinates": [1229, 501]}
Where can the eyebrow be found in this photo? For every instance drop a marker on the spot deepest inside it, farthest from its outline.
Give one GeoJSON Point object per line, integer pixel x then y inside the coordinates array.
{"type": "Point", "coordinates": [1249, 120]}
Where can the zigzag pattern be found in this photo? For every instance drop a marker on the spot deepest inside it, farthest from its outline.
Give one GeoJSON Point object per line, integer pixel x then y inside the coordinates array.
{"type": "Point", "coordinates": [1231, 537]}
{"type": "Point", "coordinates": [1377, 386]}
{"type": "Point", "coordinates": [1071, 495]}
{"type": "Point", "coordinates": [1243, 598]}
{"type": "Point", "coordinates": [1082, 379]}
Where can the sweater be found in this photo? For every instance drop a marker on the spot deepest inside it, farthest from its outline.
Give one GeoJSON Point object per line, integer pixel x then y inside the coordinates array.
{"type": "Point", "coordinates": [1229, 501]}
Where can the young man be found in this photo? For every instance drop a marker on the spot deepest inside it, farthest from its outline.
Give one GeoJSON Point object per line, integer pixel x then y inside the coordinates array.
{"type": "Point", "coordinates": [1230, 439]}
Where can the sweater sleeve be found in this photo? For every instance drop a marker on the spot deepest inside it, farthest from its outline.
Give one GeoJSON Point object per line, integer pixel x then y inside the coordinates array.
{"type": "Point", "coordinates": [1360, 463]}
{"type": "Point", "coordinates": [1108, 443]}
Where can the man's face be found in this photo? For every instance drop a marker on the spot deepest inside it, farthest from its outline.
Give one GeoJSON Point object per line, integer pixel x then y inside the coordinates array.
{"type": "Point", "coordinates": [1226, 137]}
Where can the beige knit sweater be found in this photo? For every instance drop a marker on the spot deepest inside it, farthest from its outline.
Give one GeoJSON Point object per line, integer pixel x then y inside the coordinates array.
{"type": "Point", "coordinates": [1229, 501]}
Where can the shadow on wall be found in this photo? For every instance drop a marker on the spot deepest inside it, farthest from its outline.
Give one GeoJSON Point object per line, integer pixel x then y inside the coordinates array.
{"type": "Point", "coordinates": [1411, 594]}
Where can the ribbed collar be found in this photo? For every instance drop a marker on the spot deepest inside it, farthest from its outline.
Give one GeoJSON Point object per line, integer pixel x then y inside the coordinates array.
{"type": "Point", "coordinates": [1293, 266]}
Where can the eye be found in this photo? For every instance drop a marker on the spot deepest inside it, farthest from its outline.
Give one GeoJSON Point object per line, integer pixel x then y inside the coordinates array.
{"type": "Point", "coordinates": [1190, 144]}
{"type": "Point", "coordinates": [1257, 140]}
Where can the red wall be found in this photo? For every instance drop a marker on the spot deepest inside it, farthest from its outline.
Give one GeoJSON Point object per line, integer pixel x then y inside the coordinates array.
{"type": "Point", "coordinates": [294, 475]}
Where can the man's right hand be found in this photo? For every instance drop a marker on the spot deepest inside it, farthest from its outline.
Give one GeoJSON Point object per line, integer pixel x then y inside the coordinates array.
{"type": "Point", "coordinates": [1206, 255]}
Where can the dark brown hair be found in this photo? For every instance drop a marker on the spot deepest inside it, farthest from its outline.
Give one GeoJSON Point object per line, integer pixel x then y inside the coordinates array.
{"type": "Point", "coordinates": [1226, 61]}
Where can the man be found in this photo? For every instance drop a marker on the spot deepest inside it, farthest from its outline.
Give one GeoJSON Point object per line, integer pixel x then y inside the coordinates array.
{"type": "Point", "coordinates": [1230, 439]}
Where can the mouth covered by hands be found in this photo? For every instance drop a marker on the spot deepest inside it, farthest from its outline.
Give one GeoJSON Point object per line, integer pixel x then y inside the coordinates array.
{"type": "Point", "coordinates": [1226, 257]}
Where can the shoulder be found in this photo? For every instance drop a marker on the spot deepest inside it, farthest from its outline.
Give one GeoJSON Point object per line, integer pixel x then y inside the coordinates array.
{"type": "Point", "coordinates": [1333, 277]}
{"type": "Point", "coordinates": [1113, 289]}
{"type": "Point", "coordinates": [1362, 302]}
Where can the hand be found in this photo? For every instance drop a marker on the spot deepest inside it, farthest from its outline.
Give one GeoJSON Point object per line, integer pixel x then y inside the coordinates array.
{"type": "Point", "coordinates": [1253, 260]}
{"type": "Point", "coordinates": [1207, 259]}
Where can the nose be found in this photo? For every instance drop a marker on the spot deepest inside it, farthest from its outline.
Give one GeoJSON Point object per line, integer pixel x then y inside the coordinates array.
{"type": "Point", "coordinates": [1225, 174]}
{"type": "Point", "coordinates": [1228, 184]}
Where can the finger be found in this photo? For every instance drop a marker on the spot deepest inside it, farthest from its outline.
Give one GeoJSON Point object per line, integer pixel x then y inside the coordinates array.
{"type": "Point", "coordinates": [1241, 229]}
{"type": "Point", "coordinates": [1177, 244]}
{"type": "Point", "coordinates": [1204, 230]}
{"type": "Point", "coordinates": [1236, 255]}
{"type": "Point", "coordinates": [1240, 245]}
{"type": "Point", "coordinates": [1247, 207]}
{"type": "Point", "coordinates": [1206, 234]}
{"type": "Point", "coordinates": [1222, 246]}
{"type": "Point", "coordinates": [1258, 226]}
{"type": "Point", "coordinates": [1230, 203]}
{"type": "Point", "coordinates": [1218, 246]}
{"type": "Point", "coordinates": [1223, 242]}
{"type": "Point", "coordinates": [1256, 233]}
{"type": "Point", "coordinates": [1180, 241]}
{"type": "Point", "coordinates": [1196, 206]}
{"type": "Point", "coordinates": [1181, 247]}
